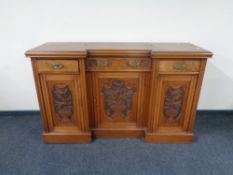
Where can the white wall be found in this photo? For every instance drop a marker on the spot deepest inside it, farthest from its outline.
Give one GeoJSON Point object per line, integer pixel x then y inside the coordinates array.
{"type": "Point", "coordinates": [28, 23]}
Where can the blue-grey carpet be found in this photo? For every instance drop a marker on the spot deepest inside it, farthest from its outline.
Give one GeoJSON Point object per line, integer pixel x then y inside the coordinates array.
{"type": "Point", "coordinates": [23, 153]}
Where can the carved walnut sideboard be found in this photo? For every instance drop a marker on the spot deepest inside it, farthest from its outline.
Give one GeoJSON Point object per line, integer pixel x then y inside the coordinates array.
{"type": "Point", "coordinates": [114, 90]}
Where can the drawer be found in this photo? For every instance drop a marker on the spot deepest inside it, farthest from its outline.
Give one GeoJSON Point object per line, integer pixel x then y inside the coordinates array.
{"type": "Point", "coordinates": [118, 64]}
{"type": "Point", "coordinates": [179, 66]}
{"type": "Point", "coordinates": [57, 66]}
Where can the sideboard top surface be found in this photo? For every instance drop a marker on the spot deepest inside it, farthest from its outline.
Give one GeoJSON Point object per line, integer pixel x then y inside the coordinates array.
{"type": "Point", "coordinates": [154, 50]}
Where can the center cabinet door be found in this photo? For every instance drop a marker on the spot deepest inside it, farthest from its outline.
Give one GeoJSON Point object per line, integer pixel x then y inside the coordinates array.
{"type": "Point", "coordinates": [118, 100]}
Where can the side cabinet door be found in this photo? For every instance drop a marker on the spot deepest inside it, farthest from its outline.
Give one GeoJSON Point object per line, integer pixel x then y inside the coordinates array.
{"type": "Point", "coordinates": [175, 95]}
{"type": "Point", "coordinates": [61, 95]}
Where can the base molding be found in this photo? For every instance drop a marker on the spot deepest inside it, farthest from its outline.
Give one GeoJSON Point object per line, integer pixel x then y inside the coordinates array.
{"type": "Point", "coordinates": [66, 138]}
{"type": "Point", "coordinates": [169, 137]}
{"type": "Point", "coordinates": [121, 133]}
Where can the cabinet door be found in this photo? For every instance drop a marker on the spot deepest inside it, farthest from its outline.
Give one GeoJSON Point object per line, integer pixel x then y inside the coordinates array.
{"type": "Point", "coordinates": [175, 97]}
{"type": "Point", "coordinates": [61, 94]}
{"type": "Point", "coordinates": [118, 100]}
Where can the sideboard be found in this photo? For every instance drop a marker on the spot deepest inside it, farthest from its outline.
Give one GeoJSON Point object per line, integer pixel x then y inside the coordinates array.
{"type": "Point", "coordinates": [118, 90]}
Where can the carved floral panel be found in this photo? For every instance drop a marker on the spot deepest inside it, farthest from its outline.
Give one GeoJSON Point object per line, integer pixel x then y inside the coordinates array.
{"type": "Point", "coordinates": [173, 103]}
{"type": "Point", "coordinates": [118, 96]}
{"type": "Point", "coordinates": [62, 98]}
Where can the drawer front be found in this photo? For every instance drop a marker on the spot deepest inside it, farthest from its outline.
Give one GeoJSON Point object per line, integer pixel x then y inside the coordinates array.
{"type": "Point", "coordinates": [118, 64]}
{"type": "Point", "coordinates": [57, 66]}
{"type": "Point", "coordinates": [179, 66]}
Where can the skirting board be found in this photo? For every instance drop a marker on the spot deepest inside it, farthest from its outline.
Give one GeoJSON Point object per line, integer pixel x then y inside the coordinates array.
{"type": "Point", "coordinates": [19, 113]}
{"type": "Point", "coordinates": [36, 112]}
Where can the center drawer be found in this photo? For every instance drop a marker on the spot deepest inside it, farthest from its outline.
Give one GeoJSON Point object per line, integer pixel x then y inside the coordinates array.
{"type": "Point", "coordinates": [118, 64]}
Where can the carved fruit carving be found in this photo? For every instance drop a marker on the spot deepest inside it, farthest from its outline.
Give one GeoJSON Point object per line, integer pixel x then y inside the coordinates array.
{"type": "Point", "coordinates": [62, 98]}
{"type": "Point", "coordinates": [173, 103]}
{"type": "Point", "coordinates": [118, 97]}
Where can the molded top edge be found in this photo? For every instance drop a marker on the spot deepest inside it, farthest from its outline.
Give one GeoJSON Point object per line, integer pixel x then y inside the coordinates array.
{"type": "Point", "coordinates": [154, 50]}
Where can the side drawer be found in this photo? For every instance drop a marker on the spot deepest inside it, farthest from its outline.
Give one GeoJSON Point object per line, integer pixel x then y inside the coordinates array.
{"type": "Point", "coordinates": [179, 66]}
{"type": "Point", "coordinates": [57, 65]}
{"type": "Point", "coordinates": [118, 64]}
